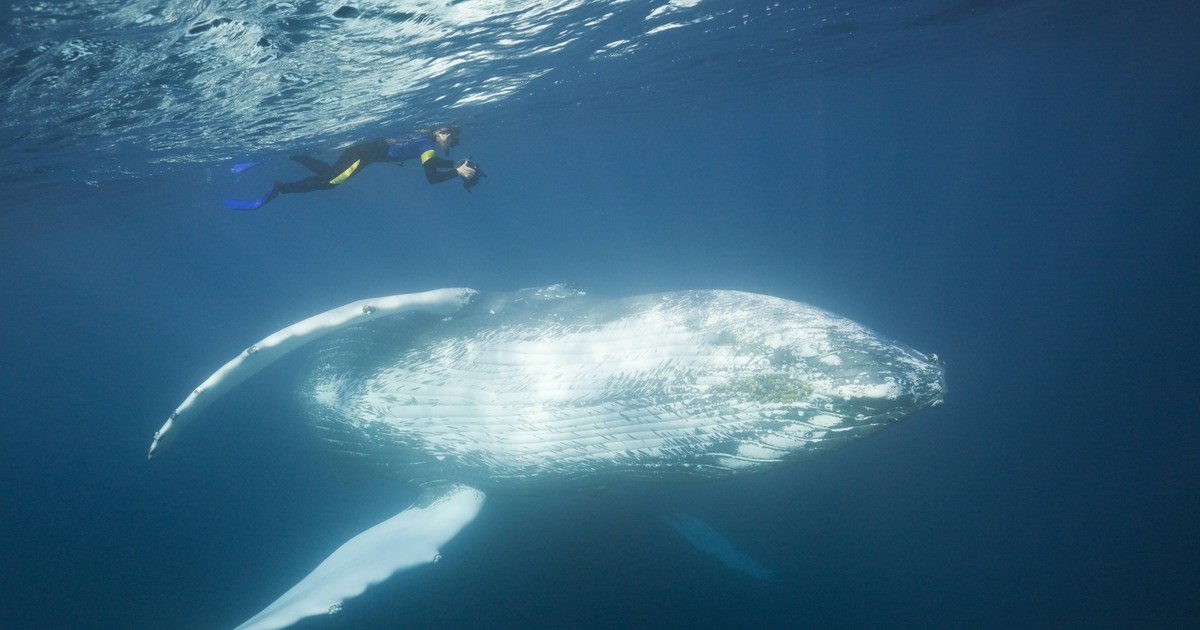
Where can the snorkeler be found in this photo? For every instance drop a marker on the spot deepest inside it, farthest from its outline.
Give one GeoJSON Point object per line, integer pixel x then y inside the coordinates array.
{"type": "Point", "coordinates": [355, 158]}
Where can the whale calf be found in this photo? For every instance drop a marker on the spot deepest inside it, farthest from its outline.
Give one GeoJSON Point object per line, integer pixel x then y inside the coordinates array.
{"type": "Point", "coordinates": [468, 393]}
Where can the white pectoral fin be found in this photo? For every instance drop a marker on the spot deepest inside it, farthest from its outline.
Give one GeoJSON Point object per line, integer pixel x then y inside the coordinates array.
{"type": "Point", "coordinates": [408, 539]}
{"type": "Point", "coordinates": [281, 342]}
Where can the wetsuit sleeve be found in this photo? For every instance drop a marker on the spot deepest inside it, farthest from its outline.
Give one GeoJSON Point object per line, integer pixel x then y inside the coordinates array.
{"type": "Point", "coordinates": [438, 170]}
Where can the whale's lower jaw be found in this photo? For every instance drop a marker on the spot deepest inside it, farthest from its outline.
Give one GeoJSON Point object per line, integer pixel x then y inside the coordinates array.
{"type": "Point", "coordinates": [701, 384]}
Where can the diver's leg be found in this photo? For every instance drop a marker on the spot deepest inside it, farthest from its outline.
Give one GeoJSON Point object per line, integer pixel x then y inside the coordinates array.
{"type": "Point", "coordinates": [348, 158]}
{"type": "Point", "coordinates": [308, 184]}
{"type": "Point", "coordinates": [314, 165]}
{"type": "Point", "coordinates": [345, 166]}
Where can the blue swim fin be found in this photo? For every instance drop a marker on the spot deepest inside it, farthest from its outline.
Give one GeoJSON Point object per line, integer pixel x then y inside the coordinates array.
{"type": "Point", "coordinates": [251, 204]}
{"type": "Point", "coordinates": [244, 166]}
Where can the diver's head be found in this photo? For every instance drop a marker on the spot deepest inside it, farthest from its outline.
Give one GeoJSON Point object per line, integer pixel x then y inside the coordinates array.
{"type": "Point", "coordinates": [446, 137]}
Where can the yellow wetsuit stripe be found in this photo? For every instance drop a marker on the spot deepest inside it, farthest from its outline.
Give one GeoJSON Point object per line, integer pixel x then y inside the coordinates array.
{"type": "Point", "coordinates": [428, 155]}
{"type": "Point", "coordinates": [346, 173]}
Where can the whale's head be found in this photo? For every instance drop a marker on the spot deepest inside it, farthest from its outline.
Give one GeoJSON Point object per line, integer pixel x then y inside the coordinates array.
{"type": "Point", "coordinates": [798, 381]}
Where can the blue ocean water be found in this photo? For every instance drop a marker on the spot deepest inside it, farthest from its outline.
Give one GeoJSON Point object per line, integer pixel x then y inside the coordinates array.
{"type": "Point", "coordinates": [1011, 184]}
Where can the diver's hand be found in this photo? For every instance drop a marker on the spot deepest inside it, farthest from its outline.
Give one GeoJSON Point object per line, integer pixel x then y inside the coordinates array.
{"type": "Point", "coordinates": [465, 170]}
{"type": "Point", "coordinates": [470, 173]}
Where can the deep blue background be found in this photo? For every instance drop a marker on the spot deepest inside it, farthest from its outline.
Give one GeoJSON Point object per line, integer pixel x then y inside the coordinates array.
{"type": "Point", "coordinates": [1027, 207]}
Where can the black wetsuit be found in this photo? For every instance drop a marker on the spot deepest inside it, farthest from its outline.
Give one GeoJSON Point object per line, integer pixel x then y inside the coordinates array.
{"type": "Point", "coordinates": [355, 158]}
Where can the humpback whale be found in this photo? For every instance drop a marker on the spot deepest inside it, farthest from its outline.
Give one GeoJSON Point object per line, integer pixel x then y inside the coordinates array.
{"type": "Point", "coordinates": [470, 393]}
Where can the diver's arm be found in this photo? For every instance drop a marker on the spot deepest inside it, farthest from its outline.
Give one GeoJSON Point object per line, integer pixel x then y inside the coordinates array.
{"type": "Point", "coordinates": [438, 170]}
